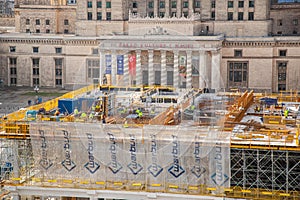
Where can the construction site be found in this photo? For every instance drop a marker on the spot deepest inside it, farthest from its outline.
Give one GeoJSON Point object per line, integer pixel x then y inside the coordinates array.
{"type": "Point", "coordinates": [108, 142]}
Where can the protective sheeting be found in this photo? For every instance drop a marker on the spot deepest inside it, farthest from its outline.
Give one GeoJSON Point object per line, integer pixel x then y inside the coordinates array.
{"type": "Point", "coordinates": [153, 158]}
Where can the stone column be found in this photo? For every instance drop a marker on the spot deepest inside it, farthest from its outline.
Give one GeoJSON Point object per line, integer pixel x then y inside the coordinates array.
{"type": "Point", "coordinates": [163, 68]}
{"type": "Point", "coordinates": [150, 68]}
{"type": "Point", "coordinates": [178, 8]}
{"type": "Point", "coordinates": [102, 67]}
{"type": "Point", "coordinates": [191, 9]}
{"type": "Point", "coordinates": [176, 72]}
{"type": "Point", "coordinates": [189, 69]}
{"type": "Point", "coordinates": [139, 74]}
{"type": "Point", "coordinates": [126, 77]}
{"type": "Point", "coordinates": [215, 71]}
{"type": "Point", "coordinates": [202, 70]}
{"type": "Point", "coordinates": [113, 68]}
{"type": "Point", "coordinates": [155, 9]}
{"type": "Point", "coordinates": [167, 8]}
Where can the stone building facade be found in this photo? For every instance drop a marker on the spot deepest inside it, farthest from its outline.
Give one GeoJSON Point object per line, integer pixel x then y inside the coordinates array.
{"type": "Point", "coordinates": [181, 43]}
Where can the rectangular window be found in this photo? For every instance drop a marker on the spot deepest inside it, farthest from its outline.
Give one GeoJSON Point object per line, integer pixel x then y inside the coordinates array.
{"type": "Point", "coordinates": [12, 61]}
{"type": "Point", "coordinates": [237, 74]}
{"type": "Point", "coordinates": [150, 4]}
{"type": "Point", "coordinates": [251, 4]}
{"type": "Point", "coordinates": [238, 53]}
{"type": "Point", "coordinates": [185, 4]}
{"type": "Point", "coordinates": [230, 4]}
{"type": "Point", "coordinates": [89, 4]}
{"type": "Point", "coordinates": [35, 62]}
{"type": "Point", "coordinates": [66, 31]}
{"type": "Point", "coordinates": [108, 16]}
{"type": "Point", "coordinates": [90, 16]}
{"type": "Point", "coordinates": [99, 15]}
{"type": "Point", "coordinates": [13, 81]}
{"type": "Point", "coordinates": [151, 14]}
{"type": "Point", "coordinates": [282, 53]}
{"type": "Point", "coordinates": [12, 49]}
{"type": "Point", "coordinates": [47, 31]}
{"type": "Point", "coordinates": [241, 4]}
{"type": "Point", "coordinates": [279, 22]}
{"type": "Point", "coordinates": [213, 4]}
{"type": "Point", "coordinates": [134, 4]}
{"type": "Point", "coordinates": [47, 22]}
{"type": "Point", "coordinates": [27, 21]}
{"type": "Point", "coordinates": [162, 4]}
{"type": "Point", "coordinates": [95, 51]}
{"type": "Point", "coordinates": [27, 30]}
{"type": "Point", "coordinates": [58, 50]}
{"type": "Point", "coordinates": [240, 16]}
{"type": "Point", "coordinates": [251, 16]}
{"type": "Point", "coordinates": [37, 31]}
{"type": "Point", "coordinates": [295, 22]}
{"type": "Point", "coordinates": [93, 68]}
{"type": "Point", "coordinates": [13, 71]}
{"type": "Point", "coordinates": [161, 14]}
{"type": "Point", "coordinates": [35, 49]}
{"type": "Point", "coordinates": [35, 71]}
{"type": "Point", "coordinates": [185, 14]}
{"type": "Point", "coordinates": [230, 15]}
{"type": "Point", "coordinates": [66, 22]}
{"type": "Point", "coordinates": [99, 4]}
{"type": "Point", "coordinates": [213, 15]}
{"type": "Point", "coordinates": [197, 4]}
{"type": "Point", "coordinates": [58, 82]}
{"type": "Point", "coordinates": [281, 70]}
{"type": "Point", "coordinates": [58, 62]}
{"type": "Point", "coordinates": [108, 4]}
{"type": "Point", "coordinates": [174, 4]}
{"type": "Point", "coordinates": [37, 22]}
{"type": "Point", "coordinates": [36, 81]}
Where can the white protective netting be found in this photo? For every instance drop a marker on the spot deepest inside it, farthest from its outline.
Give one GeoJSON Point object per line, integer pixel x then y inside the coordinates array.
{"type": "Point", "coordinates": [154, 158]}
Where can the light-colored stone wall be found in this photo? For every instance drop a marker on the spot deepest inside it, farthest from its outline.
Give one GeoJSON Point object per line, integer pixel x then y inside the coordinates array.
{"type": "Point", "coordinates": [7, 21]}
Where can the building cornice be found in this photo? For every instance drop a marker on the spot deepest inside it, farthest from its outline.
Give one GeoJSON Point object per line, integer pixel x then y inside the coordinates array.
{"type": "Point", "coordinates": [262, 42]}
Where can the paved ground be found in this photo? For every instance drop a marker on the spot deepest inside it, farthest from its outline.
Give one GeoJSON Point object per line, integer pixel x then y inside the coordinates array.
{"type": "Point", "coordinates": [14, 98]}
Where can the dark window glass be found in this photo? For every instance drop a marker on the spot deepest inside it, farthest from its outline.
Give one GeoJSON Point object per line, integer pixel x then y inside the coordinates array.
{"type": "Point", "coordinates": [185, 4]}
{"type": "Point", "coordinates": [108, 16]}
{"type": "Point", "coordinates": [108, 4]}
{"type": "Point", "coordinates": [282, 52]}
{"type": "Point", "coordinates": [47, 22]}
{"type": "Point", "coordinates": [134, 5]}
{"type": "Point", "coordinates": [89, 4]}
{"type": "Point", "coordinates": [35, 49]}
{"type": "Point", "coordinates": [240, 16]}
{"type": "Point", "coordinates": [213, 4]}
{"type": "Point", "coordinates": [99, 4]}
{"type": "Point", "coordinates": [27, 21]}
{"type": "Point", "coordinates": [37, 22]}
{"type": "Point", "coordinates": [12, 49]}
{"type": "Point", "coordinates": [241, 4]}
{"type": "Point", "coordinates": [230, 4]}
{"type": "Point", "coordinates": [90, 16]}
{"type": "Point", "coordinates": [174, 4]}
{"type": "Point", "coordinates": [251, 16]}
{"type": "Point", "coordinates": [99, 15]}
{"type": "Point", "coordinates": [150, 4]}
{"type": "Point", "coordinates": [162, 4]}
{"type": "Point", "coordinates": [230, 15]}
{"type": "Point", "coordinates": [251, 4]}
{"type": "Point", "coordinates": [66, 22]}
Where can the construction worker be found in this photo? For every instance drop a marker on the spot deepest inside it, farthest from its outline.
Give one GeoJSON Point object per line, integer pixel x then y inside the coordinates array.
{"type": "Point", "coordinates": [57, 112]}
{"type": "Point", "coordinates": [76, 112]}
{"type": "Point", "coordinates": [91, 116]}
{"type": "Point", "coordinates": [83, 115]}
{"type": "Point", "coordinates": [286, 113]}
{"type": "Point", "coordinates": [125, 124]}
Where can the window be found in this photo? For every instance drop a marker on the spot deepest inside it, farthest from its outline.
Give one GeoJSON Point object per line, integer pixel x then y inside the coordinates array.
{"type": "Point", "coordinates": [279, 32]}
{"type": "Point", "coordinates": [47, 31]}
{"type": "Point", "coordinates": [251, 4]}
{"type": "Point", "coordinates": [238, 74]}
{"type": "Point", "coordinates": [13, 81]}
{"type": "Point", "coordinates": [230, 15]}
{"type": "Point", "coordinates": [281, 70]}
{"type": "Point", "coordinates": [66, 31]}
{"type": "Point", "coordinates": [295, 32]}
{"type": "Point", "coordinates": [150, 4]}
{"type": "Point", "coordinates": [93, 68]}
{"type": "Point", "coordinates": [161, 14]}
{"type": "Point", "coordinates": [27, 30]}
{"type": "Point", "coordinates": [134, 4]}
{"type": "Point", "coordinates": [58, 50]}
{"type": "Point", "coordinates": [36, 81]}
{"type": "Point", "coordinates": [251, 16]}
{"type": "Point", "coordinates": [108, 16]}
{"type": "Point", "coordinates": [12, 61]}
{"type": "Point", "coordinates": [185, 14]}
{"type": "Point", "coordinates": [241, 4]}
{"type": "Point", "coordinates": [174, 4]}
{"type": "Point", "coordinates": [89, 4]}
{"type": "Point", "coordinates": [35, 61]}
{"type": "Point", "coordinates": [279, 22]}
{"type": "Point", "coordinates": [240, 16]}
{"type": "Point", "coordinates": [213, 4]}
{"type": "Point", "coordinates": [58, 81]}
{"type": "Point", "coordinates": [99, 4]}
{"type": "Point", "coordinates": [58, 62]}
{"type": "Point", "coordinates": [37, 22]}
{"type": "Point", "coordinates": [66, 22]}
{"type": "Point", "coordinates": [35, 71]}
{"type": "Point", "coordinates": [95, 51]}
{"type": "Point", "coordinates": [47, 22]}
{"type": "Point", "coordinates": [90, 16]}
{"type": "Point", "coordinates": [213, 15]}
{"type": "Point", "coordinates": [37, 31]}
{"type": "Point", "coordinates": [230, 4]}
{"type": "Point", "coordinates": [99, 15]}
{"type": "Point", "coordinates": [185, 4]}
{"type": "Point", "coordinates": [71, 1]}
{"type": "Point", "coordinates": [13, 71]}
{"type": "Point", "coordinates": [108, 4]}
{"type": "Point", "coordinates": [151, 14]}
{"type": "Point", "coordinates": [12, 49]}
{"type": "Point", "coordinates": [282, 53]}
{"type": "Point", "coordinates": [295, 22]}
{"type": "Point", "coordinates": [238, 53]}
{"type": "Point", "coordinates": [162, 4]}
{"type": "Point", "coordinates": [35, 49]}
{"type": "Point", "coordinates": [27, 21]}
{"type": "Point", "coordinates": [35, 66]}
{"type": "Point", "coordinates": [197, 4]}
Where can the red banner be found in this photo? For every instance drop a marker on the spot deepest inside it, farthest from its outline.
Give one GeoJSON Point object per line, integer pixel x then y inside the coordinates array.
{"type": "Point", "coordinates": [132, 65]}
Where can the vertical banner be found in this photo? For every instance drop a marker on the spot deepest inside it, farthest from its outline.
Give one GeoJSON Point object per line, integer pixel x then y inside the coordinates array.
{"type": "Point", "coordinates": [108, 64]}
{"type": "Point", "coordinates": [182, 66]}
{"type": "Point", "coordinates": [120, 64]}
{"type": "Point", "coordinates": [132, 64]}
